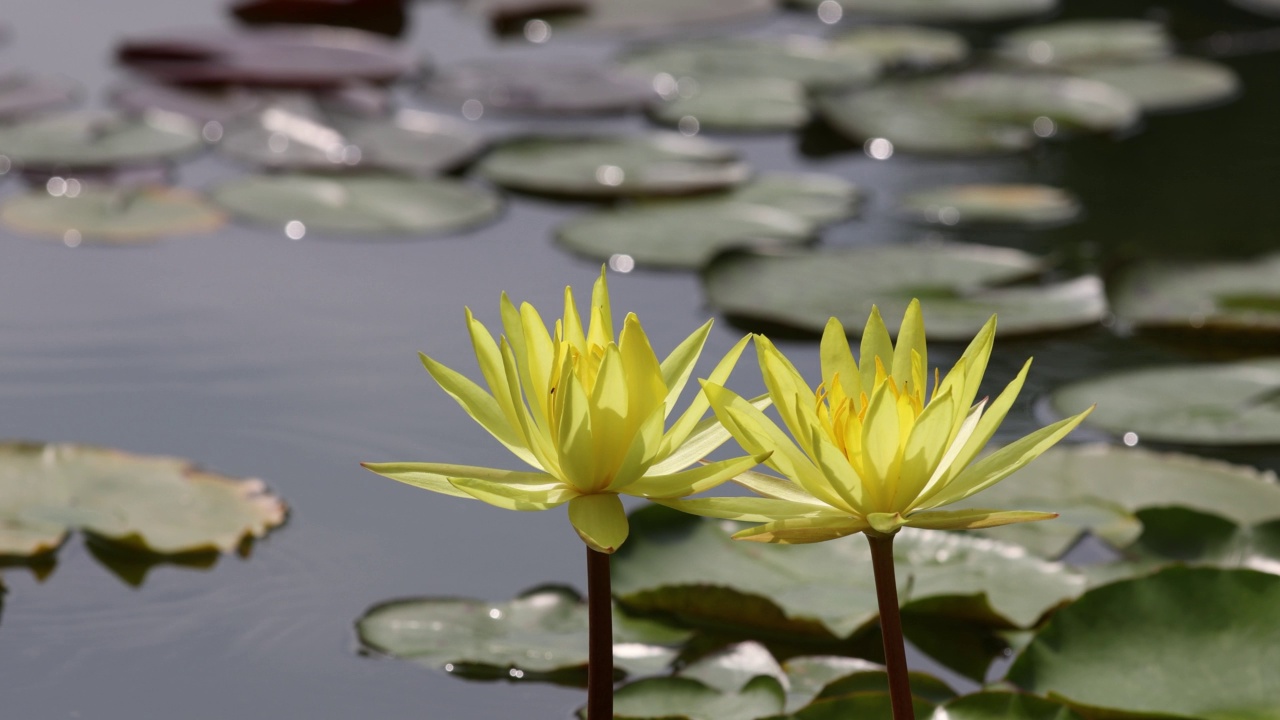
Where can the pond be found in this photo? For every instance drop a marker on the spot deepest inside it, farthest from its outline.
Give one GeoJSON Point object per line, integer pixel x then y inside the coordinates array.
{"type": "Point", "coordinates": [255, 354]}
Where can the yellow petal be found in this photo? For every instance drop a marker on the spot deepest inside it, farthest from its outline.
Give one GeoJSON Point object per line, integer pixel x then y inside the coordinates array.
{"type": "Point", "coordinates": [975, 365]}
{"type": "Point", "coordinates": [793, 531]}
{"type": "Point", "coordinates": [775, 487]}
{"type": "Point", "coordinates": [505, 488]}
{"type": "Point", "coordinates": [886, 523]}
{"type": "Point", "coordinates": [538, 434]}
{"type": "Point", "coordinates": [973, 519]}
{"type": "Point", "coordinates": [875, 344]}
{"type": "Point", "coordinates": [692, 481]}
{"type": "Point", "coordinates": [881, 448]}
{"type": "Point", "coordinates": [644, 449]}
{"type": "Point", "coordinates": [785, 383]}
{"type": "Point", "coordinates": [601, 331]}
{"type": "Point", "coordinates": [600, 521]}
{"type": "Point", "coordinates": [690, 423]}
{"type": "Point", "coordinates": [611, 428]}
{"type": "Point", "coordinates": [536, 359]}
{"type": "Point", "coordinates": [679, 453]}
{"type": "Point", "coordinates": [643, 373]}
{"type": "Point", "coordinates": [991, 419]}
{"type": "Point", "coordinates": [417, 475]}
{"type": "Point", "coordinates": [840, 476]}
{"type": "Point", "coordinates": [572, 325]}
{"type": "Point", "coordinates": [748, 509]}
{"type": "Point", "coordinates": [925, 448]}
{"type": "Point", "coordinates": [482, 407]}
{"type": "Point", "coordinates": [837, 359]}
{"type": "Point", "coordinates": [938, 480]}
{"type": "Point", "coordinates": [910, 340]}
{"type": "Point", "coordinates": [678, 366]}
{"type": "Point", "coordinates": [574, 436]}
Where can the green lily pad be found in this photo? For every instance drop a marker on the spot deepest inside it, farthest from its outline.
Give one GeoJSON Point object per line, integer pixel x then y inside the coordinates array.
{"type": "Point", "coordinates": [815, 197]}
{"type": "Point", "coordinates": [1209, 297]}
{"type": "Point", "coordinates": [153, 504]}
{"type": "Point", "coordinates": [961, 286]}
{"type": "Point", "coordinates": [991, 705]}
{"type": "Point", "coordinates": [98, 139]}
{"type": "Point", "coordinates": [730, 669]}
{"type": "Point", "coordinates": [690, 569]}
{"type": "Point", "coordinates": [1188, 536]}
{"type": "Point", "coordinates": [1111, 40]}
{"type": "Point", "coordinates": [922, 685]}
{"type": "Point", "coordinates": [940, 11]}
{"type": "Point", "coordinates": [684, 234]}
{"type": "Point", "coordinates": [1183, 643]}
{"type": "Point", "coordinates": [617, 16]}
{"type": "Point", "coordinates": [1002, 204]}
{"type": "Point", "coordinates": [1211, 404]}
{"type": "Point", "coordinates": [863, 706]}
{"type": "Point", "coordinates": [24, 94]}
{"type": "Point", "coordinates": [609, 167]}
{"type": "Point", "coordinates": [680, 697]}
{"type": "Point", "coordinates": [117, 216]}
{"type": "Point", "coordinates": [1179, 83]}
{"type": "Point", "coordinates": [807, 675]}
{"type": "Point", "coordinates": [978, 112]}
{"type": "Point", "coordinates": [362, 204]}
{"type": "Point", "coordinates": [522, 85]}
{"type": "Point", "coordinates": [1099, 488]}
{"type": "Point", "coordinates": [541, 635]}
{"type": "Point", "coordinates": [809, 61]}
{"type": "Point", "coordinates": [910, 47]}
{"type": "Point", "coordinates": [738, 105]}
{"type": "Point", "coordinates": [1270, 8]}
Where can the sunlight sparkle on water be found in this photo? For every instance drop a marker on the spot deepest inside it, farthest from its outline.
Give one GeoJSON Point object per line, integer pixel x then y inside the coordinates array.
{"type": "Point", "coordinates": [72, 238]}
{"type": "Point", "coordinates": [610, 175]}
{"type": "Point", "coordinates": [472, 109]}
{"type": "Point", "coordinates": [622, 263]}
{"type": "Point", "coordinates": [878, 148]}
{"type": "Point", "coordinates": [1044, 127]}
{"type": "Point", "coordinates": [1130, 439]}
{"type": "Point", "coordinates": [537, 31]}
{"type": "Point", "coordinates": [830, 12]}
{"type": "Point", "coordinates": [665, 85]}
{"type": "Point", "coordinates": [295, 230]}
{"type": "Point", "coordinates": [688, 126]}
{"type": "Point", "coordinates": [212, 131]}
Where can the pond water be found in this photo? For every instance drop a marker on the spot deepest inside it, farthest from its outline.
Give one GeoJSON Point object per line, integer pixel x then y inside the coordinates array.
{"type": "Point", "coordinates": [257, 355]}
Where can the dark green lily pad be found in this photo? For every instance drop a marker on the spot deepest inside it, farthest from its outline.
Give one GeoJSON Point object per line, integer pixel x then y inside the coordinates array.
{"type": "Point", "coordinates": [1110, 40]}
{"type": "Point", "coordinates": [26, 94]}
{"type": "Point", "coordinates": [737, 105]}
{"type": "Point", "coordinates": [809, 61]}
{"type": "Point", "coordinates": [822, 199]}
{"type": "Point", "coordinates": [1179, 83]}
{"type": "Point", "coordinates": [961, 286]}
{"type": "Point", "coordinates": [869, 705]}
{"type": "Point", "coordinates": [362, 204]}
{"type": "Point", "coordinates": [98, 139]}
{"type": "Point", "coordinates": [1209, 297]}
{"type": "Point", "coordinates": [1270, 8]}
{"type": "Point", "coordinates": [680, 697]}
{"type": "Point", "coordinates": [940, 11]}
{"type": "Point", "coordinates": [541, 635]}
{"type": "Point", "coordinates": [1219, 404]}
{"type": "Point", "coordinates": [992, 705]}
{"type": "Point", "coordinates": [525, 85]}
{"type": "Point", "coordinates": [1101, 489]}
{"type": "Point", "coordinates": [114, 215]}
{"type": "Point", "coordinates": [690, 569]}
{"type": "Point", "coordinates": [610, 167]}
{"type": "Point", "coordinates": [999, 204]}
{"type": "Point", "coordinates": [1175, 534]}
{"type": "Point", "coordinates": [152, 504]}
{"type": "Point", "coordinates": [1183, 643]}
{"type": "Point", "coordinates": [910, 47]}
{"type": "Point", "coordinates": [807, 675]}
{"type": "Point", "coordinates": [730, 669]}
{"type": "Point", "coordinates": [922, 685]}
{"type": "Point", "coordinates": [684, 234]}
{"type": "Point", "coordinates": [978, 112]}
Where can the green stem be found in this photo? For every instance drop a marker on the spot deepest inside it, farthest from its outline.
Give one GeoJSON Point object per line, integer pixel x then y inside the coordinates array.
{"type": "Point", "coordinates": [895, 655]}
{"type": "Point", "coordinates": [600, 637]}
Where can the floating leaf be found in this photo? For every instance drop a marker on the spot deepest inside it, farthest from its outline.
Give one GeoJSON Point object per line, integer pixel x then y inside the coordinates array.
{"type": "Point", "coordinates": [910, 47]}
{"type": "Point", "coordinates": [1099, 488]}
{"type": "Point", "coordinates": [863, 706]}
{"type": "Point", "coordinates": [802, 289]}
{"type": "Point", "coordinates": [541, 635]}
{"type": "Point", "coordinates": [1270, 8]}
{"type": "Point", "coordinates": [26, 94]}
{"type": "Point", "coordinates": [802, 59]}
{"type": "Point", "coordinates": [684, 234]}
{"type": "Point", "coordinates": [150, 503]}
{"type": "Point", "coordinates": [922, 685]}
{"type": "Point", "coordinates": [609, 167]}
{"type": "Point", "coordinates": [990, 705]}
{"type": "Point", "coordinates": [202, 106]}
{"type": "Point", "coordinates": [1209, 404]}
{"type": "Point", "coordinates": [941, 11]}
{"type": "Point", "coordinates": [738, 105]}
{"type": "Point", "coordinates": [731, 668]}
{"type": "Point", "coordinates": [818, 587]}
{"type": "Point", "coordinates": [815, 197]}
{"type": "Point", "coordinates": [1110, 40]}
{"type": "Point", "coordinates": [115, 215]}
{"type": "Point", "coordinates": [807, 675]}
{"type": "Point", "coordinates": [1209, 297]}
{"type": "Point", "coordinates": [616, 16]}
{"type": "Point", "coordinates": [526, 85]}
{"type": "Point", "coordinates": [978, 204]}
{"type": "Point", "coordinates": [680, 697]}
{"type": "Point", "coordinates": [97, 139]}
{"type": "Point", "coordinates": [360, 204]}
{"type": "Point", "coordinates": [978, 112]}
{"type": "Point", "coordinates": [387, 18]}
{"type": "Point", "coordinates": [1184, 643]}
{"type": "Point", "coordinates": [1179, 83]}
{"type": "Point", "coordinates": [1188, 536]}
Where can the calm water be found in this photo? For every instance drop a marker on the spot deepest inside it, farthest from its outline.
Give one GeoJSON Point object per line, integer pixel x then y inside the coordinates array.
{"type": "Point", "coordinates": [256, 355]}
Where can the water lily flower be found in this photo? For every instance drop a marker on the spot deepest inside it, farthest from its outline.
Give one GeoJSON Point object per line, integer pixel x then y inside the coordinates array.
{"type": "Point", "coordinates": [874, 450]}
{"type": "Point", "coordinates": [586, 411]}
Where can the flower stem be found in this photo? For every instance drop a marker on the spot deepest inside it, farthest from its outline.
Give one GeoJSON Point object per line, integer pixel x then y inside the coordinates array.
{"type": "Point", "coordinates": [895, 656]}
{"type": "Point", "coordinates": [600, 637]}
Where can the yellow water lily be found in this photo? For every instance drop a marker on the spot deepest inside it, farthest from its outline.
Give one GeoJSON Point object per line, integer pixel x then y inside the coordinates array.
{"type": "Point", "coordinates": [587, 412]}
{"type": "Point", "coordinates": [873, 449]}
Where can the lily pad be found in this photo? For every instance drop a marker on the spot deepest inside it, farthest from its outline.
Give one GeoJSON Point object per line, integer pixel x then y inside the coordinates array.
{"type": "Point", "coordinates": [961, 286]}
{"type": "Point", "coordinates": [1218, 404]}
{"type": "Point", "coordinates": [26, 94]}
{"type": "Point", "coordinates": [681, 697]}
{"type": "Point", "coordinates": [737, 105]}
{"type": "Point", "coordinates": [730, 669]}
{"type": "Point", "coordinates": [671, 563]}
{"type": "Point", "coordinates": [619, 16]}
{"type": "Point", "coordinates": [1179, 83]}
{"type": "Point", "coordinates": [863, 705]}
{"type": "Point", "coordinates": [370, 204]}
{"type": "Point", "coordinates": [201, 106]}
{"type": "Point", "coordinates": [609, 167]}
{"type": "Point", "coordinates": [541, 635]}
{"type": "Point", "coordinates": [684, 234]}
{"type": "Point", "coordinates": [807, 675]}
{"type": "Point", "coordinates": [908, 47]}
{"type": "Point", "coordinates": [995, 204]}
{"type": "Point", "coordinates": [98, 139]}
{"type": "Point", "coordinates": [1209, 297]}
{"type": "Point", "coordinates": [153, 504]}
{"type": "Point", "coordinates": [992, 705]}
{"type": "Point", "coordinates": [526, 85]}
{"type": "Point", "coordinates": [387, 18]}
{"type": "Point", "coordinates": [1110, 40]}
{"type": "Point", "coordinates": [1176, 534]}
{"type": "Point", "coordinates": [978, 112]}
{"type": "Point", "coordinates": [941, 11]}
{"type": "Point", "coordinates": [810, 61]}
{"type": "Point", "coordinates": [815, 197]}
{"type": "Point", "coordinates": [114, 215]}
{"type": "Point", "coordinates": [1101, 489]}
{"type": "Point", "coordinates": [1183, 643]}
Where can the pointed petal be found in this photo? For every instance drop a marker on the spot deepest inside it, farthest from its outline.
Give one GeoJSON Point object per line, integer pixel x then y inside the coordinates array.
{"type": "Point", "coordinates": [416, 475]}
{"type": "Point", "coordinates": [537, 358]}
{"type": "Point", "coordinates": [991, 419]}
{"type": "Point", "coordinates": [572, 325]}
{"type": "Point", "coordinates": [875, 344]}
{"type": "Point", "coordinates": [794, 531]}
{"type": "Point", "coordinates": [690, 422]}
{"type": "Point", "coordinates": [837, 359]}
{"type": "Point", "coordinates": [910, 340]}
{"type": "Point", "coordinates": [840, 476]}
{"type": "Point", "coordinates": [705, 437]}
{"type": "Point", "coordinates": [775, 487]}
{"type": "Point", "coordinates": [749, 509]}
{"type": "Point", "coordinates": [600, 521]}
{"type": "Point", "coordinates": [938, 480]}
{"type": "Point", "coordinates": [643, 373]}
{"type": "Point", "coordinates": [644, 448]}
{"type": "Point", "coordinates": [490, 360]}
{"type": "Point", "coordinates": [612, 429]}
{"type": "Point", "coordinates": [693, 480]}
{"type": "Point", "coordinates": [925, 448]}
{"type": "Point", "coordinates": [678, 366]}
{"type": "Point", "coordinates": [576, 449]}
{"type": "Point", "coordinates": [973, 519]}
{"type": "Point", "coordinates": [482, 407]}
{"type": "Point", "coordinates": [601, 330]}
{"type": "Point", "coordinates": [975, 364]}
{"type": "Point", "coordinates": [539, 440]}
{"type": "Point", "coordinates": [881, 447]}
{"type": "Point", "coordinates": [784, 384]}
{"type": "Point", "coordinates": [510, 489]}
